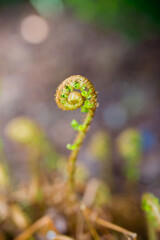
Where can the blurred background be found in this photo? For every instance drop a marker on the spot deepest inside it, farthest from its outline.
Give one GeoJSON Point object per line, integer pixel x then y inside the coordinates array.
{"type": "Point", "coordinates": [116, 45]}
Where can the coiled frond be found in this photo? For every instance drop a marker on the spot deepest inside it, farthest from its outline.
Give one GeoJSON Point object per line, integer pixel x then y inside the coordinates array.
{"type": "Point", "coordinates": [73, 93]}
{"type": "Point", "coordinates": [68, 97]}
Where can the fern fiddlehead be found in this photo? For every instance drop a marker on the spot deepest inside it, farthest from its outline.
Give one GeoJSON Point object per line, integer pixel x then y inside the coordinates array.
{"type": "Point", "coordinates": [75, 92]}
{"type": "Point", "coordinates": [151, 207]}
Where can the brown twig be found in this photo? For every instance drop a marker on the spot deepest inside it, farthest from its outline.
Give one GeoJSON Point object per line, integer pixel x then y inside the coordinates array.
{"type": "Point", "coordinates": [63, 237]}
{"type": "Point", "coordinates": [89, 225]}
{"type": "Point", "coordinates": [107, 224]}
{"type": "Point", "coordinates": [37, 226]}
{"type": "Point", "coordinates": [79, 226]}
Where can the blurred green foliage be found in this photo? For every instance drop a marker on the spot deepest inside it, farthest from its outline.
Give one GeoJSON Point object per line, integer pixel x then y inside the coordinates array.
{"type": "Point", "coordinates": [100, 145]}
{"type": "Point", "coordinates": [151, 207]}
{"type": "Point", "coordinates": [135, 18]}
{"type": "Point", "coordinates": [25, 131]}
{"type": "Point", "coordinates": [47, 7]}
{"type": "Point", "coordinates": [129, 145]}
{"type": "Point", "coordinates": [103, 195]}
{"type": "Point", "coordinates": [5, 2]}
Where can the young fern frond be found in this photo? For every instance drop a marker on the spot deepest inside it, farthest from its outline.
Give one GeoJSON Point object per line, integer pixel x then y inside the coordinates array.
{"type": "Point", "coordinates": [151, 207]}
{"type": "Point", "coordinates": [75, 92]}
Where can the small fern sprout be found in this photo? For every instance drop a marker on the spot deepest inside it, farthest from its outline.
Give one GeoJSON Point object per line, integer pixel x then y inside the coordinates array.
{"type": "Point", "coordinates": [26, 132]}
{"type": "Point", "coordinates": [151, 207]}
{"type": "Point", "coordinates": [73, 93]}
{"type": "Point", "coordinates": [129, 145]}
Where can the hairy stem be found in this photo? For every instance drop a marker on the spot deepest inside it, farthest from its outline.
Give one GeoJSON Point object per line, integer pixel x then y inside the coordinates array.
{"type": "Point", "coordinates": [73, 93]}
{"type": "Point", "coordinates": [78, 142]}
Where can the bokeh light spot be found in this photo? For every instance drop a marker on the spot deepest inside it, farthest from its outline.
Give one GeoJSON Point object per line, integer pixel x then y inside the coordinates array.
{"type": "Point", "coordinates": [34, 29]}
{"type": "Point", "coordinates": [51, 235]}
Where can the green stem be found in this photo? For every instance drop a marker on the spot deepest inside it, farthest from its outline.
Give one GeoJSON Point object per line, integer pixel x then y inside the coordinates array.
{"type": "Point", "coordinates": [152, 235]}
{"type": "Point", "coordinates": [78, 143]}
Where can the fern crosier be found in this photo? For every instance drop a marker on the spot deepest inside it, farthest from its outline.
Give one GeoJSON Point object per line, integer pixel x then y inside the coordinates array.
{"type": "Point", "coordinates": [75, 92]}
{"type": "Point", "coordinates": [151, 207]}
